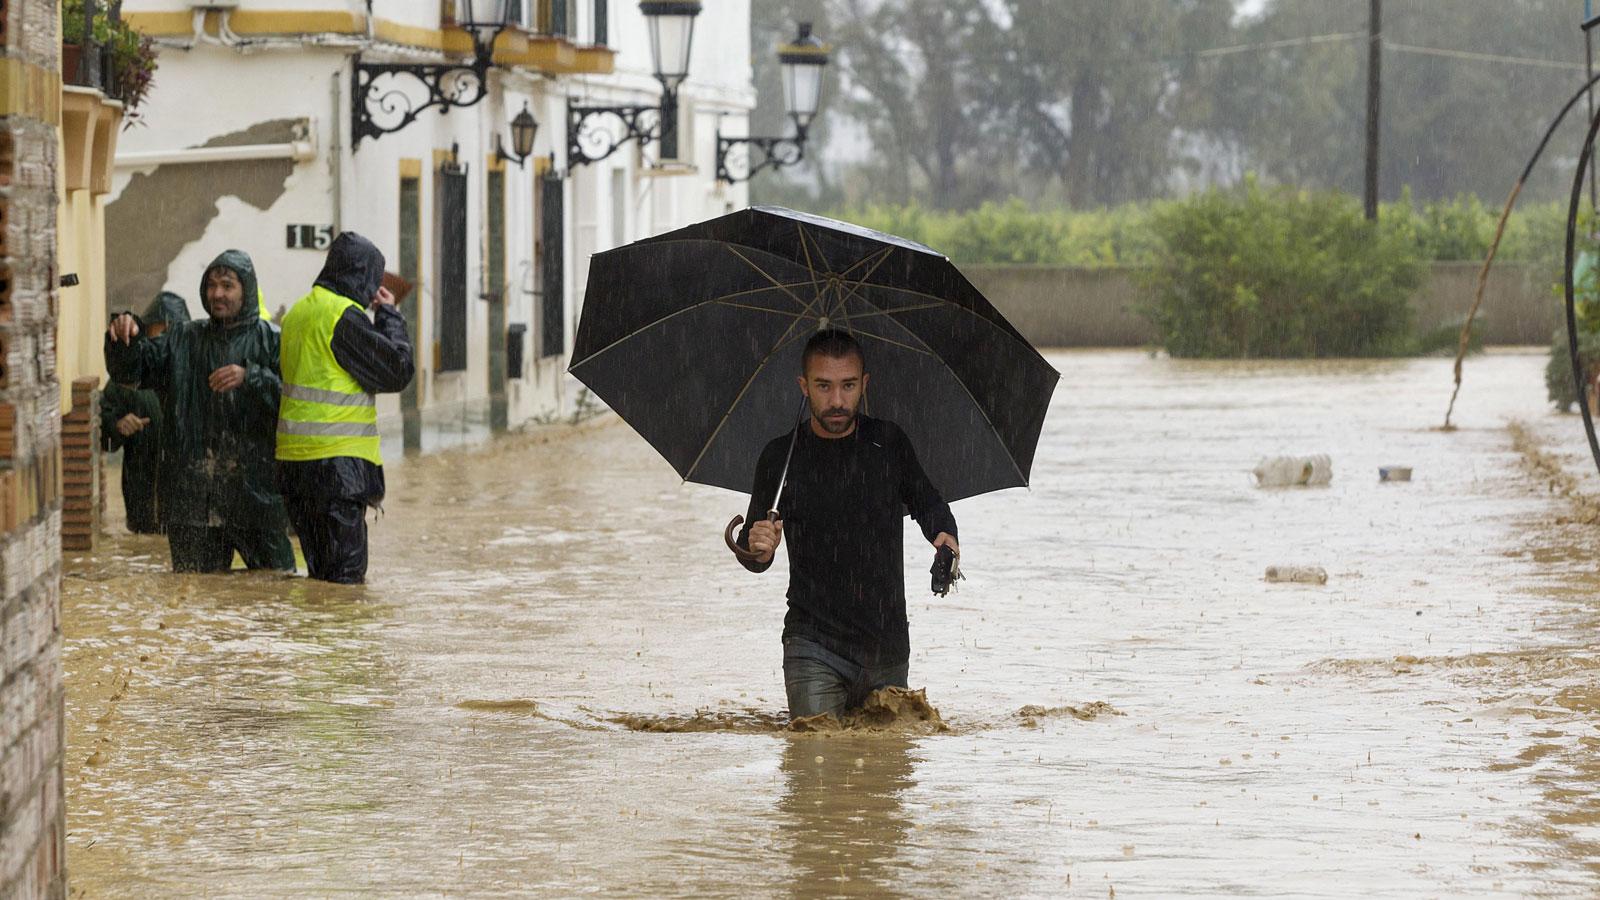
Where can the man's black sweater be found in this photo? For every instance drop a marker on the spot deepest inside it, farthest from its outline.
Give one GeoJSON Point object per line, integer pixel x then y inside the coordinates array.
{"type": "Point", "coordinates": [841, 515]}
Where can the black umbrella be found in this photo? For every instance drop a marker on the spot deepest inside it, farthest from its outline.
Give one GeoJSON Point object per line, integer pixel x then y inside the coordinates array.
{"type": "Point", "coordinates": [694, 338]}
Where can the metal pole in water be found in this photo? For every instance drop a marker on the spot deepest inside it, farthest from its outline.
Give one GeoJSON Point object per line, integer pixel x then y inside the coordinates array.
{"type": "Point", "coordinates": [1374, 94]}
{"type": "Point", "coordinates": [1588, 65]}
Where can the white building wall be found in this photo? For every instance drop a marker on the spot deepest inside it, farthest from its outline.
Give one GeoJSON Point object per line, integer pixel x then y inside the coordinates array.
{"type": "Point", "coordinates": [204, 91]}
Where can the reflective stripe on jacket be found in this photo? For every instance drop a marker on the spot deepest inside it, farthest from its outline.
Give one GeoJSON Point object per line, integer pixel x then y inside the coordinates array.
{"type": "Point", "coordinates": [324, 412]}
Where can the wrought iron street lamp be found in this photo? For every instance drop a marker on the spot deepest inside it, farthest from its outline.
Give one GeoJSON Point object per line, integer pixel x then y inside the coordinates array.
{"type": "Point", "coordinates": [523, 129]}
{"type": "Point", "coordinates": [671, 24]}
{"type": "Point", "coordinates": [802, 63]}
{"type": "Point", "coordinates": [384, 97]}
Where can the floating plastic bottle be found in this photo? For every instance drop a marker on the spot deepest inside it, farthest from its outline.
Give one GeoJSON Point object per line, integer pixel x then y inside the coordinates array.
{"type": "Point", "coordinates": [1292, 471]}
{"type": "Point", "coordinates": [1297, 574]}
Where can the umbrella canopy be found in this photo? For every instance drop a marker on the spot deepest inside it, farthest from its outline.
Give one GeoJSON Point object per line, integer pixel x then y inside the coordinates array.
{"type": "Point", "coordinates": [694, 338]}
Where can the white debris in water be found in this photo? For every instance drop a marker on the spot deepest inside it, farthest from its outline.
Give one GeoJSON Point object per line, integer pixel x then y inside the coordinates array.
{"type": "Point", "coordinates": [1291, 471]}
{"type": "Point", "coordinates": [1297, 574]}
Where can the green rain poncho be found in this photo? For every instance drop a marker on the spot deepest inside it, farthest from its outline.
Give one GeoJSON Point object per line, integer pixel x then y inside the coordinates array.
{"type": "Point", "coordinates": [217, 449]}
{"type": "Point", "coordinates": [141, 451]}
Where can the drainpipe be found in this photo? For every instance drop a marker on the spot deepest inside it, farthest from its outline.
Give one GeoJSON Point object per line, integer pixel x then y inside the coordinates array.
{"type": "Point", "coordinates": [299, 151]}
{"type": "Point", "coordinates": [336, 143]}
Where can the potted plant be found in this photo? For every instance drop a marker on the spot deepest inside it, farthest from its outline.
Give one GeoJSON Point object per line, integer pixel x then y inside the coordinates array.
{"type": "Point", "coordinates": [72, 33]}
{"type": "Point", "coordinates": [127, 58]}
{"type": "Point", "coordinates": [130, 63]}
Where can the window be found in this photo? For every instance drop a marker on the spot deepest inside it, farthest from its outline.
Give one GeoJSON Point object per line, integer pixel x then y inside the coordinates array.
{"type": "Point", "coordinates": [410, 261]}
{"type": "Point", "coordinates": [450, 189]}
{"type": "Point", "coordinates": [495, 269]}
{"type": "Point", "coordinates": [552, 314]}
{"type": "Point", "coordinates": [495, 217]}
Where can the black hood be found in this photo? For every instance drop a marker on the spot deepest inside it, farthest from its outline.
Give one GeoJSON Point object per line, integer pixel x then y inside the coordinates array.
{"type": "Point", "coordinates": [242, 266]}
{"type": "Point", "coordinates": [354, 268]}
{"type": "Point", "coordinates": [169, 308]}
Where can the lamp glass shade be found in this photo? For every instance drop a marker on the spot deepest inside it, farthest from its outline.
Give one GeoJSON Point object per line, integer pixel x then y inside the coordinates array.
{"type": "Point", "coordinates": [671, 27]}
{"type": "Point", "coordinates": [801, 63]}
{"type": "Point", "coordinates": [485, 18]}
{"type": "Point", "coordinates": [523, 130]}
{"type": "Point", "coordinates": [802, 91]}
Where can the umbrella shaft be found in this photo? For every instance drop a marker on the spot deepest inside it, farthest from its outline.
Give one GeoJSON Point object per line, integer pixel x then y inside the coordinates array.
{"type": "Point", "coordinates": [783, 480]}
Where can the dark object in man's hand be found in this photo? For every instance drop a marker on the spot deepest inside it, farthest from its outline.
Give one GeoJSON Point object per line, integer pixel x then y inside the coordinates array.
{"type": "Point", "coordinates": [946, 571]}
{"type": "Point", "coordinates": [397, 286]}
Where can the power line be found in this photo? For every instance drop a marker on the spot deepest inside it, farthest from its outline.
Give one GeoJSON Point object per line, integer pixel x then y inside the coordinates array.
{"type": "Point", "coordinates": [1341, 37]}
{"type": "Point", "coordinates": [1483, 57]}
{"type": "Point", "coordinates": [1274, 45]}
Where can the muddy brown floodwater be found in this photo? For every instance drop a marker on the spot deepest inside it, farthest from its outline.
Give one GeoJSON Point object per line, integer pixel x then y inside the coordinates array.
{"type": "Point", "coordinates": [559, 682]}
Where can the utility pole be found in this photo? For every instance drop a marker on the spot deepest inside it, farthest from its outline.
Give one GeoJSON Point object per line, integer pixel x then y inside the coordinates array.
{"type": "Point", "coordinates": [1374, 86]}
{"type": "Point", "coordinates": [1588, 66]}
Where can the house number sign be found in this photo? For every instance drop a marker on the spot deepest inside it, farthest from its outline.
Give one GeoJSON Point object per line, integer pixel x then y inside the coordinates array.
{"type": "Point", "coordinates": [310, 237]}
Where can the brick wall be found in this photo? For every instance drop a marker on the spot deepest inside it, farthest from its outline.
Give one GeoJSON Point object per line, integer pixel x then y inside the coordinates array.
{"type": "Point", "coordinates": [32, 827]}
{"type": "Point", "coordinates": [80, 467]}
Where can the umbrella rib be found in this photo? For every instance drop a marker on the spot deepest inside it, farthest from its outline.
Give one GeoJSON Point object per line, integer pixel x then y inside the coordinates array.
{"type": "Point", "coordinates": [765, 309]}
{"type": "Point", "coordinates": [687, 309]}
{"type": "Point", "coordinates": [785, 340]}
{"type": "Point", "coordinates": [857, 284]}
{"type": "Point", "coordinates": [882, 256]}
{"type": "Point", "coordinates": [759, 290]}
{"type": "Point", "coordinates": [844, 299]}
{"type": "Point", "coordinates": [767, 275]}
{"type": "Point", "coordinates": [810, 269]}
{"type": "Point", "coordinates": [879, 312]}
{"type": "Point", "coordinates": [976, 405]}
{"type": "Point", "coordinates": [879, 337]}
{"type": "Point", "coordinates": [945, 302]}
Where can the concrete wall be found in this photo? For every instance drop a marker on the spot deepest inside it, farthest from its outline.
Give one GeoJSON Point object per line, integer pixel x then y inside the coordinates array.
{"type": "Point", "coordinates": [1057, 306]}
{"type": "Point", "coordinates": [1519, 303]}
{"type": "Point", "coordinates": [32, 827]}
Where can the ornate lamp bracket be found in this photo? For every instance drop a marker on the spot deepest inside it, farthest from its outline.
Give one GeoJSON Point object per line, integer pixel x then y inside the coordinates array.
{"type": "Point", "coordinates": [759, 153]}
{"type": "Point", "coordinates": [390, 96]}
{"type": "Point", "coordinates": [588, 141]}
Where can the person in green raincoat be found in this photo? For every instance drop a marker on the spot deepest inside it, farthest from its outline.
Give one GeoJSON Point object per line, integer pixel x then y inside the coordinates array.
{"type": "Point", "coordinates": [130, 421]}
{"type": "Point", "coordinates": [219, 383]}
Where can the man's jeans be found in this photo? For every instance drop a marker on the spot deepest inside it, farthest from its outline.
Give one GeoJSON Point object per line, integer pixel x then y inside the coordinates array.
{"type": "Point", "coordinates": [820, 681]}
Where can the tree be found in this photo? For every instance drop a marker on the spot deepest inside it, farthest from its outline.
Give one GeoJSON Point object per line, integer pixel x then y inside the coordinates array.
{"type": "Point", "coordinates": [953, 103]}
{"type": "Point", "coordinates": [969, 100]}
{"type": "Point", "coordinates": [916, 77]}
{"type": "Point", "coordinates": [1104, 95]}
{"type": "Point", "coordinates": [1451, 125]}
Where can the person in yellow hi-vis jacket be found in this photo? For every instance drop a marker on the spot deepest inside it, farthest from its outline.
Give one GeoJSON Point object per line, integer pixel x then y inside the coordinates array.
{"type": "Point", "coordinates": [334, 359]}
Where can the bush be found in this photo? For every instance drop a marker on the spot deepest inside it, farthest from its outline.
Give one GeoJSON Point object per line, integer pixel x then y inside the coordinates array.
{"type": "Point", "coordinates": [1012, 234]}
{"type": "Point", "coordinates": [1444, 229]}
{"type": "Point", "coordinates": [1279, 273]}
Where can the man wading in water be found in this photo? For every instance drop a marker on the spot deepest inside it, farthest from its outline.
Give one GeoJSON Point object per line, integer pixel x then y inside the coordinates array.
{"type": "Point", "coordinates": [851, 479]}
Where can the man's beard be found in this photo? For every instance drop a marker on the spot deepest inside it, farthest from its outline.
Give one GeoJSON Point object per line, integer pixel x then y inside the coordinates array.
{"type": "Point", "coordinates": [836, 426]}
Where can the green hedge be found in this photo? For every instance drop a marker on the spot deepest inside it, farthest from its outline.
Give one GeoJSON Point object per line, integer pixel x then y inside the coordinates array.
{"type": "Point", "coordinates": [1252, 271]}
{"type": "Point", "coordinates": [1280, 273]}
{"type": "Point", "coordinates": [1014, 233]}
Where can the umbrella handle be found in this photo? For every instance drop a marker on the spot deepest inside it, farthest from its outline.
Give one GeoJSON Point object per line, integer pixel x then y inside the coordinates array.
{"type": "Point", "coordinates": [742, 553]}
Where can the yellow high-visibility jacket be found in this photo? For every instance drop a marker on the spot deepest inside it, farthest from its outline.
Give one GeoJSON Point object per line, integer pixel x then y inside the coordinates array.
{"type": "Point", "coordinates": [324, 412]}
